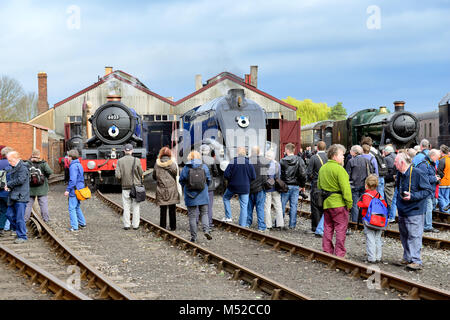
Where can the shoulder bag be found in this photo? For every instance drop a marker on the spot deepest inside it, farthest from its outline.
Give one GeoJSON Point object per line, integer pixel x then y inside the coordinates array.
{"type": "Point", "coordinates": [137, 192]}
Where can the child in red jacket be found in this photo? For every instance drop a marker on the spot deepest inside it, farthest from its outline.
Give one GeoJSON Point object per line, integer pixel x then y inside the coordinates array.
{"type": "Point", "coordinates": [373, 237]}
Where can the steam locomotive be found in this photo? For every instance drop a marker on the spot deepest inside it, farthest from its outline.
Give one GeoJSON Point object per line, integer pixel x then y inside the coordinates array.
{"type": "Point", "coordinates": [399, 128]}
{"type": "Point", "coordinates": [224, 124]}
{"type": "Point", "coordinates": [113, 125]}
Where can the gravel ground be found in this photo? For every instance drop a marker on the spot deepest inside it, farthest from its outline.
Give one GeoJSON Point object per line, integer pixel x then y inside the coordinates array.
{"type": "Point", "coordinates": [139, 261]}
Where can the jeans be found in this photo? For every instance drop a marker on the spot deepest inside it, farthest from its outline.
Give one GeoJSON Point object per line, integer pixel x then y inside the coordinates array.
{"type": "Point", "coordinates": [411, 231]}
{"type": "Point", "coordinates": [256, 199]}
{"type": "Point", "coordinates": [393, 208]}
{"type": "Point", "coordinates": [380, 187]}
{"type": "Point", "coordinates": [75, 213]}
{"type": "Point", "coordinates": [3, 208]}
{"type": "Point", "coordinates": [275, 198]}
{"type": "Point", "coordinates": [356, 194]}
{"type": "Point", "coordinates": [128, 205]}
{"type": "Point", "coordinates": [43, 204]}
{"type": "Point", "coordinates": [15, 214]}
{"type": "Point", "coordinates": [373, 244]}
{"type": "Point", "coordinates": [210, 208]}
{"type": "Point", "coordinates": [443, 200]}
{"type": "Point", "coordinates": [193, 212]}
{"type": "Point", "coordinates": [243, 202]}
{"type": "Point", "coordinates": [319, 228]}
{"type": "Point", "coordinates": [292, 196]}
{"type": "Point", "coordinates": [428, 217]}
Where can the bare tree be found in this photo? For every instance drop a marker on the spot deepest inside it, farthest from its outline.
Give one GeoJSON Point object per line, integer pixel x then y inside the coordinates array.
{"type": "Point", "coordinates": [15, 103]}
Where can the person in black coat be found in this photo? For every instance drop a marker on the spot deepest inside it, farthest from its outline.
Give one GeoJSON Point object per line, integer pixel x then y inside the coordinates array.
{"type": "Point", "coordinates": [18, 185]}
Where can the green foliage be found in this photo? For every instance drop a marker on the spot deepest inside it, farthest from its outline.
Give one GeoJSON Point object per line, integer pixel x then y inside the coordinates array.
{"type": "Point", "coordinates": [309, 111]}
{"type": "Point", "coordinates": [338, 112]}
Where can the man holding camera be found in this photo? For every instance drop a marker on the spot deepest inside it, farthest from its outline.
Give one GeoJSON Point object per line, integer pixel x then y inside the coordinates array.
{"type": "Point", "coordinates": [413, 189]}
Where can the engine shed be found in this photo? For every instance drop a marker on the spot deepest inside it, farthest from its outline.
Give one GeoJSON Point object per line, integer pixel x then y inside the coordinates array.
{"type": "Point", "coordinates": [161, 115]}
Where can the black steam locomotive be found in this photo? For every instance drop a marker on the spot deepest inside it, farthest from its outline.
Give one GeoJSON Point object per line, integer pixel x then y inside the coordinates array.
{"type": "Point", "coordinates": [399, 128]}
{"type": "Point", "coordinates": [113, 126]}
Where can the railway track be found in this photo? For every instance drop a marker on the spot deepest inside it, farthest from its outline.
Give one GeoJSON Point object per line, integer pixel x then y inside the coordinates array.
{"type": "Point", "coordinates": [275, 290]}
{"type": "Point", "coordinates": [413, 289]}
{"type": "Point", "coordinates": [48, 262]}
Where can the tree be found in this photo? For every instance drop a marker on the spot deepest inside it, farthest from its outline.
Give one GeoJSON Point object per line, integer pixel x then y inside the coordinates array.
{"type": "Point", "coordinates": [15, 103]}
{"type": "Point", "coordinates": [338, 112]}
{"type": "Point", "coordinates": [308, 110]}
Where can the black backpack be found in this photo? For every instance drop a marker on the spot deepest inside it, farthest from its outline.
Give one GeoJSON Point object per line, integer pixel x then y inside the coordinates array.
{"type": "Point", "coordinates": [37, 178]}
{"type": "Point", "coordinates": [382, 165]}
{"type": "Point", "coordinates": [196, 179]}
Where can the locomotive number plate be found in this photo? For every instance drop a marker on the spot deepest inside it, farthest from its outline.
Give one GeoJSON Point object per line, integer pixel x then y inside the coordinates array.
{"type": "Point", "coordinates": [112, 117]}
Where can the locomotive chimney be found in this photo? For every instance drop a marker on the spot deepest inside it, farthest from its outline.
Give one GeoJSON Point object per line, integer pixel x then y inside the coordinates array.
{"type": "Point", "coordinates": [198, 82]}
{"type": "Point", "coordinates": [399, 106]}
{"type": "Point", "coordinates": [108, 70]}
{"type": "Point", "coordinates": [254, 76]}
{"type": "Point", "coordinates": [42, 92]}
{"type": "Point", "coordinates": [113, 97]}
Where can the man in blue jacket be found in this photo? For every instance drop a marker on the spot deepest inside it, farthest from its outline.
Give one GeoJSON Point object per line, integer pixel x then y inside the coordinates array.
{"type": "Point", "coordinates": [4, 169]}
{"type": "Point", "coordinates": [76, 181]}
{"type": "Point", "coordinates": [239, 173]}
{"type": "Point", "coordinates": [18, 185]}
{"type": "Point", "coordinates": [413, 188]}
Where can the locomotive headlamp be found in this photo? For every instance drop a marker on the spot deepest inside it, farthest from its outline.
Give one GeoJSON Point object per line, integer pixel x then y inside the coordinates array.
{"type": "Point", "coordinates": [113, 131]}
{"type": "Point", "coordinates": [242, 121]}
{"type": "Point", "coordinates": [91, 165]}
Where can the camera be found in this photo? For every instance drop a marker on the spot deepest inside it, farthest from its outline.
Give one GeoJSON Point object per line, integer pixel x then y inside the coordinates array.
{"type": "Point", "coordinates": [303, 195]}
{"type": "Point", "coordinates": [404, 194]}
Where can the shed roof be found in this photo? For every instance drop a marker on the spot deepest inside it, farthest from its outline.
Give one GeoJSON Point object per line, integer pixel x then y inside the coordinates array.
{"type": "Point", "coordinates": [125, 77]}
{"type": "Point", "coordinates": [28, 124]}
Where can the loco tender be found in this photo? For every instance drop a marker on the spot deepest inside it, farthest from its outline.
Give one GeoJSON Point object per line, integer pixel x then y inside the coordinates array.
{"type": "Point", "coordinates": [113, 125]}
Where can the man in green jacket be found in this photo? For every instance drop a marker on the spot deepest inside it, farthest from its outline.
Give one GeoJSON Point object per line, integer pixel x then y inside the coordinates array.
{"type": "Point", "coordinates": [39, 188]}
{"type": "Point", "coordinates": [334, 178]}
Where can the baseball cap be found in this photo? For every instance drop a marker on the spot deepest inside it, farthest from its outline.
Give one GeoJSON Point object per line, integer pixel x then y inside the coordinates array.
{"type": "Point", "coordinates": [128, 147]}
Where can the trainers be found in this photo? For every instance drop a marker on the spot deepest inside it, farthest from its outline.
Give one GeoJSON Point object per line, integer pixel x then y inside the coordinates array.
{"type": "Point", "coordinates": [309, 231]}
{"type": "Point", "coordinates": [20, 240]}
{"type": "Point", "coordinates": [414, 266]}
{"type": "Point", "coordinates": [136, 228]}
{"type": "Point", "coordinates": [227, 220]}
{"type": "Point", "coordinates": [13, 233]}
{"type": "Point", "coordinates": [73, 230]}
{"type": "Point", "coordinates": [126, 228]}
{"type": "Point", "coordinates": [318, 235]}
{"type": "Point", "coordinates": [403, 263]}
{"type": "Point", "coordinates": [192, 239]}
{"type": "Point", "coordinates": [80, 226]}
{"type": "Point", "coordinates": [432, 230]}
{"type": "Point", "coordinates": [208, 235]}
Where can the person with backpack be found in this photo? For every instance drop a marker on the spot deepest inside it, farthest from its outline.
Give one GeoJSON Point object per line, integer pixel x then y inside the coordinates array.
{"type": "Point", "coordinates": [194, 179]}
{"type": "Point", "coordinates": [129, 172]}
{"type": "Point", "coordinates": [239, 174]}
{"type": "Point", "coordinates": [5, 167]}
{"type": "Point", "coordinates": [210, 162]}
{"type": "Point", "coordinates": [358, 169]}
{"type": "Point", "coordinates": [76, 182]}
{"type": "Point", "coordinates": [372, 202]}
{"type": "Point", "coordinates": [413, 189]}
{"type": "Point", "coordinates": [257, 194]}
{"type": "Point", "coordinates": [312, 172]}
{"type": "Point", "coordinates": [18, 185]}
{"type": "Point", "coordinates": [428, 165]}
{"type": "Point", "coordinates": [39, 173]}
{"type": "Point", "coordinates": [167, 196]}
{"type": "Point", "coordinates": [272, 195]}
{"type": "Point", "coordinates": [293, 173]}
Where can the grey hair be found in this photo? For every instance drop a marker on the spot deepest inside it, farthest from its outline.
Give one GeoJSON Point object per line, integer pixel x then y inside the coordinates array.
{"type": "Point", "coordinates": [388, 149]}
{"type": "Point", "coordinates": [255, 151]}
{"type": "Point", "coordinates": [417, 148]}
{"type": "Point", "coordinates": [434, 152]}
{"type": "Point", "coordinates": [404, 157]}
{"type": "Point", "coordinates": [411, 152]}
{"type": "Point", "coordinates": [357, 149]}
{"type": "Point", "coordinates": [74, 154]}
{"type": "Point", "coordinates": [6, 150]}
{"type": "Point", "coordinates": [425, 144]}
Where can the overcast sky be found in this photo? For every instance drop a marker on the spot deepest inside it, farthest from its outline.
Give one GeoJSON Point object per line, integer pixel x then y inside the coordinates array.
{"type": "Point", "coordinates": [362, 53]}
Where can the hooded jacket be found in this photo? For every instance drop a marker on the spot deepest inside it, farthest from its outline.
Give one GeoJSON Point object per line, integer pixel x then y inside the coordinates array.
{"type": "Point", "coordinates": [76, 180]}
{"type": "Point", "coordinates": [41, 190]}
{"type": "Point", "coordinates": [293, 170]}
{"type": "Point", "coordinates": [239, 174]}
{"type": "Point", "coordinates": [195, 198]}
{"type": "Point", "coordinates": [165, 173]}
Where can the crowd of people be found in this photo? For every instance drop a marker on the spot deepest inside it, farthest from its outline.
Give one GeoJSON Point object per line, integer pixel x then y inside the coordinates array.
{"type": "Point", "coordinates": [409, 184]}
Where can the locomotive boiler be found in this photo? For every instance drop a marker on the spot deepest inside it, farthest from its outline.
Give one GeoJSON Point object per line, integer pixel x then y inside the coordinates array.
{"type": "Point", "coordinates": [113, 125]}
{"type": "Point", "coordinates": [224, 124]}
